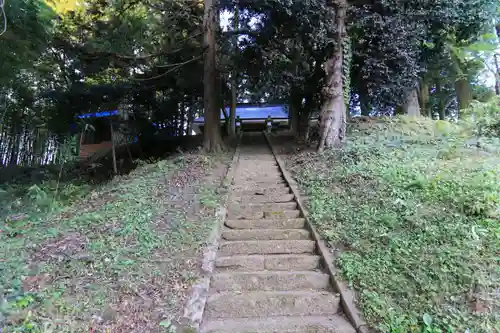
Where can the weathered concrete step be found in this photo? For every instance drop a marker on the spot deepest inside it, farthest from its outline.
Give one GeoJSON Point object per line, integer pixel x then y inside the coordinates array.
{"type": "Point", "coordinates": [271, 304]}
{"type": "Point", "coordinates": [265, 234]}
{"type": "Point", "coordinates": [253, 187]}
{"type": "Point", "coordinates": [256, 166]}
{"type": "Point", "coordinates": [263, 198]}
{"type": "Point", "coordinates": [249, 215]}
{"type": "Point", "coordinates": [301, 324]}
{"type": "Point", "coordinates": [232, 248]}
{"type": "Point", "coordinates": [263, 191]}
{"type": "Point", "coordinates": [259, 178]}
{"type": "Point", "coordinates": [280, 262]}
{"type": "Point", "coordinates": [270, 281]}
{"type": "Point", "coordinates": [262, 157]}
{"type": "Point", "coordinates": [275, 223]}
{"type": "Point", "coordinates": [259, 182]}
{"type": "Point", "coordinates": [262, 207]}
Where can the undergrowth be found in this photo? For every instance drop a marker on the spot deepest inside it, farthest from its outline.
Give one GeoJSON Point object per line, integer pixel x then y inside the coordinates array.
{"type": "Point", "coordinates": [115, 258]}
{"type": "Point", "coordinates": [412, 209]}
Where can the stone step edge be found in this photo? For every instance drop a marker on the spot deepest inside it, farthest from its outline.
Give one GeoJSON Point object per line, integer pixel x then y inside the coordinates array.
{"type": "Point", "coordinates": [336, 323]}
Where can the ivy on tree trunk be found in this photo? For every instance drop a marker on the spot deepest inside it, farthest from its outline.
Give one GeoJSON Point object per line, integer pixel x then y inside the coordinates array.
{"type": "Point", "coordinates": [333, 111]}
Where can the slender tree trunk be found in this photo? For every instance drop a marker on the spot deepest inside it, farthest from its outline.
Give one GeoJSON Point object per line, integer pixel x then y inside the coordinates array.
{"type": "Point", "coordinates": [497, 75]}
{"type": "Point", "coordinates": [294, 111]}
{"type": "Point", "coordinates": [411, 107]}
{"type": "Point", "coordinates": [366, 108]}
{"type": "Point", "coordinates": [497, 65]}
{"type": "Point", "coordinates": [183, 117]}
{"type": "Point", "coordinates": [464, 93]}
{"type": "Point", "coordinates": [333, 111]}
{"type": "Point", "coordinates": [441, 104]}
{"type": "Point", "coordinates": [14, 153]}
{"type": "Point", "coordinates": [213, 140]}
{"type": "Point", "coordinates": [113, 149]}
{"type": "Point", "coordinates": [303, 119]}
{"type": "Point", "coordinates": [234, 75]}
{"type": "Point", "coordinates": [191, 115]}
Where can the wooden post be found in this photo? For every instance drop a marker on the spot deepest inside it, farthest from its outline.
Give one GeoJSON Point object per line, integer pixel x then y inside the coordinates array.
{"type": "Point", "coordinates": [115, 170]}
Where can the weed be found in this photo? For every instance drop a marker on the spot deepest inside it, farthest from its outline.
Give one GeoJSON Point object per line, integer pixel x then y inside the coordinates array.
{"type": "Point", "coordinates": [416, 211]}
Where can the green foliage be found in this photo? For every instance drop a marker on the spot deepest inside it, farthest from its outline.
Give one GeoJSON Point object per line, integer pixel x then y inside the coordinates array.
{"type": "Point", "coordinates": [413, 208]}
{"type": "Point", "coordinates": [485, 118]}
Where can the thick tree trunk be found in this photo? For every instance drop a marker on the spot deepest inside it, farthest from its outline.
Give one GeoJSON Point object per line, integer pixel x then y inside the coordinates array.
{"type": "Point", "coordinates": [213, 140]}
{"type": "Point", "coordinates": [464, 93]}
{"type": "Point", "coordinates": [333, 111]}
{"type": "Point", "coordinates": [423, 97]}
{"type": "Point", "coordinates": [411, 106]}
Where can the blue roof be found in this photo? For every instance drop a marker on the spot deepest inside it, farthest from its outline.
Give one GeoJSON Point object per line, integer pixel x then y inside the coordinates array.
{"type": "Point", "coordinates": [256, 112]}
{"type": "Point", "coordinates": [100, 114]}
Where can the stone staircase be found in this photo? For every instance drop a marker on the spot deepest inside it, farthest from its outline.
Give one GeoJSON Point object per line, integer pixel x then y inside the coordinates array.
{"type": "Point", "coordinates": [268, 276]}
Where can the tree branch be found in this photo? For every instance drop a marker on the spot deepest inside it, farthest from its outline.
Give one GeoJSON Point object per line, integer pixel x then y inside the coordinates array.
{"type": "Point", "coordinates": [98, 54]}
{"type": "Point", "coordinates": [177, 66]}
{"type": "Point", "coordinates": [240, 32]}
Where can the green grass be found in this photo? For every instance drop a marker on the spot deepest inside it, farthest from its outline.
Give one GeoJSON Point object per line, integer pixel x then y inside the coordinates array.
{"type": "Point", "coordinates": [122, 255]}
{"type": "Point", "coordinates": [412, 207]}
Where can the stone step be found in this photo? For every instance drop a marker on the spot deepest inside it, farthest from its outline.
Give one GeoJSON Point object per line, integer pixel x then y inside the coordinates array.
{"type": "Point", "coordinates": [258, 178]}
{"type": "Point", "coordinates": [301, 324]}
{"type": "Point", "coordinates": [262, 207]}
{"type": "Point", "coordinates": [259, 182]}
{"type": "Point", "coordinates": [271, 304]}
{"type": "Point", "coordinates": [264, 191]}
{"type": "Point", "coordinates": [259, 167]}
{"type": "Point", "coordinates": [265, 234]}
{"type": "Point", "coordinates": [274, 223]}
{"type": "Point", "coordinates": [270, 281]}
{"type": "Point", "coordinates": [249, 215]}
{"type": "Point", "coordinates": [262, 198]}
{"type": "Point", "coordinates": [266, 247]}
{"type": "Point", "coordinates": [280, 262]}
{"type": "Point", "coordinates": [253, 187]}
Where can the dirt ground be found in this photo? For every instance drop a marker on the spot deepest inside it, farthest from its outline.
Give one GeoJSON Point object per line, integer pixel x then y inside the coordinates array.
{"type": "Point", "coordinates": [121, 260]}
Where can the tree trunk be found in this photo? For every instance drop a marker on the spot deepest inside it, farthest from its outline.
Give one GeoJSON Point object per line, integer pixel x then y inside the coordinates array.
{"type": "Point", "coordinates": [424, 99]}
{"type": "Point", "coordinates": [464, 93]}
{"type": "Point", "coordinates": [366, 108]}
{"type": "Point", "coordinates": [333, 111]}
{"type": "Point", "coordinates": [234, 79]}
{"type": "Point", "coordinates": [497, 65]}
{"type": "Point", "coordinates": [294, 111]}
{"type": "Point", "coordinates": [441, 104]}
{"type": "Point", "coordinates": [213, 140]}
{"type": "Point", "coordinates": [183, 117]}
{"type": "Point", "coordinates": [411, 107]}
{"type": "Point", "coordinates": [113, 148]}
{"type": "Point", "coordinates": [497, 74]}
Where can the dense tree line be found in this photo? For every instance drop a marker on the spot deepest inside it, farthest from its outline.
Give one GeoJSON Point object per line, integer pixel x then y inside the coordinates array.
{"type": "Point", "coordinates": [169, 61]}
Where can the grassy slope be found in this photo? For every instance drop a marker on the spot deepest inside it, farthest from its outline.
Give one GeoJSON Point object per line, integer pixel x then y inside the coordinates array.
{"type": "Point", "coordinates": [121, 259]}
{"type": "Point", "coordinates": [414, 214]}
